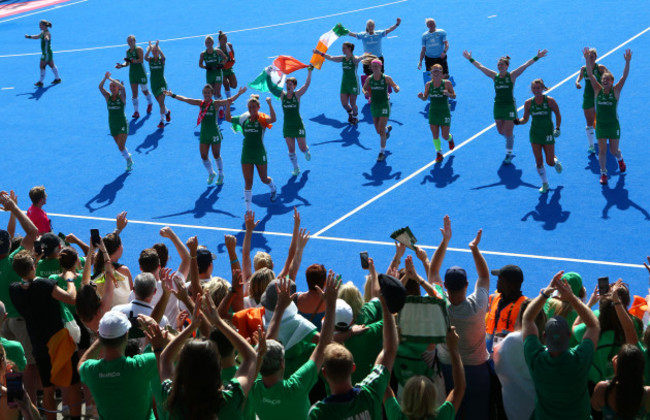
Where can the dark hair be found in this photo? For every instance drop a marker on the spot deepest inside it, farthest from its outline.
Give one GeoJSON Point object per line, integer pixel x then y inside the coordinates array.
{"type": "Point", "coordinates": [628, 381]}
{"type": "Point", "coordinates": [149, 260]}
{"type": "Point", "coordinates": [23, 263]}
{"type": "Point", "coordinates": [197, 386]}
{"type": "Point", "coordinates": [220, 35]}
{"type": "Point", "coordinates": [113, 342]}
{"type": "Point", "coordinates": [15, 243]}
{"type": "Point", "coordinates": [540, 320]}
{"type": "Point", "coordinates": [163, 253]}
{"type": "Point", "coordinates": [412, 288]}
{"type": "Point", "coordinates": [132, 347]}
{"type": "Point", "coordinates": [316, 275]}
{"type": "Point", "coordinates": [46, 23]}
{"type": "Point", "coordinates": [223, 344]}
{"type": "Point", "coordinates": [88, 302]}
{"type": "Point", "coordinates": [609, 320]}
{"type": "Point", "coordinates": [349, 45]}
{"type": "Point", "coordinates": [68, 258]}
{"type": "Point", "coordinates": [505, 59]}
{"type": "Point", "coordinates": [112, 242]}
{"type": "Point", "coordinates": [38, 192]}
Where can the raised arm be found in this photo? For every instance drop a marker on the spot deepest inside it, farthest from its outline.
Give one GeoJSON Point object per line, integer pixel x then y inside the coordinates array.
{"type": "Point", "coordinates": [181, 249]}
{"type": "Point", "coordinates": [292, 246]}
{"type": "Point", "coordinates": [195, 283]}
{"type": "Point", "coordinates": [387, 355]}
{"type": "Point", "coordinates": [392, 28]}
{"type": "Point", "coordinates": [439, 255]}
{"type": "Point", "coordinates": [489, 73]}
{"type": "Point", "coordinates": [587, 316]}
{"type": "Point", "coordinates": [301, 242]}
{"type": "Point", "coordinates": [173, 349]}
{"type": "Point", "coordinates": [228, 116]}
{"type": "Point", "coordinates": [162, 56]}
{"type": "Point", "coordinates": [458, 373]}
{"type": "Point", "coordinates": [247, 269]}
{"type": "Point", "coordinates": [375, 289]}
{"type": "Point", "coordinates": [334, 58]}
{"type": "Point", "coordinates": [626, 70]}
{"type": "Point", "coordinates": [400, 249]}
{"type": "Point", "coordinates": [517, 72]}
{"type": "Point", "coordinates": [623, 316]}
{"type": "Point", "coordinates": [304, 87]}
{"type": "Point", "coordinates": [11, 224]}
{"type": "Point", "coordinates": [283, 288]}
{"type": "Point", "coordinates": [146, 55]}
{"type": "Point", "coordinates": [412, 274]}
{"type": "Point", "coordinates": [528, 326]}
{"type": "Point", "coordinates": [190, 101]}
{"type": "Point", "coordinates": [590, 72]}
{"type": "Point", "coordinates": [31, 231]}
{"type": "Point", "coordinates": [104, 92]}
{"type": "Point", "coordinates": [272, 118]}
{"type": "Point", "coordinates": [480, 263]}
{"type": "Point", "coordinates": [327, 332]}
{"type": "Point", "coordinates": [421, 254]}
{"type": "Point", "coordinates": [167, 287]}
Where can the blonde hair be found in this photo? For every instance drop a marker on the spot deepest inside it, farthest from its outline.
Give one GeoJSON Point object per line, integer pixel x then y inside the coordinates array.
{"type": "Point", "coordinates": [593, 51]}
{"type": "Point", "coordinates": [338, 362]}
{"type": "Point", "coordinates": [540, 82]}
{"type": "Point", "coordinates": [367, 58]}
{"type": "Point", "coordinates": [218, 289]}
{"type": "Point", "coordinates": [255, 99]}
{"type": "Point", "coordinates": [427, 20]}
{"type": "Point", "coordinates": [419, 398]}
{"type": "Point", "coordinates": [258, 282]}
{"type": "Point", "coordinates": [261, 259]}
{"type": "Point", "coordinates": [505, 59]}
{"type": "Point", "coordinates": [437, 67]}
{"type": "Point", "coordinates": [352, 296]}
{"type": "Point", "coordinates": [209, 38]}
{"type": "Point", "coordinates": [368, 22]}
{"type": "Point", "coordinates": [131, 37]}
{"type": "Point", "coordinates": [292, 80]}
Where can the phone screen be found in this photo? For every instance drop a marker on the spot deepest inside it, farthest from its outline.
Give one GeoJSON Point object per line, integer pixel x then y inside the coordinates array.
{"type": "Point", "coordinates": [603, 285]}
{"type": "Point", "coordinates": [94, 236]}
{"type": "Point", "coordinates": [364, 260]}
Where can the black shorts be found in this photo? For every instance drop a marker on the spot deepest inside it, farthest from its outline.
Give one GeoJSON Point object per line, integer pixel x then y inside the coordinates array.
{"type": "Point", "coordinates": [429, 62]}
{"type": "Point", "coordinates": [366, 67]}
{"type": "Point", "coordinates": [44, 365]}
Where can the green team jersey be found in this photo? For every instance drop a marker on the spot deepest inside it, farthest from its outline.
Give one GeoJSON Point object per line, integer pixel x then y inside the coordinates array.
{"type": "Point", "coordinates": [46, 45]}
{"type": "Point", "coordinates": [291, 108]}
{"type": "Point", "coordinates": [439, 101]}
{"type": "Point", "coordinates": [210, 132]}
{"type": "Point", "coordinates": [541, 126]}
{"type": "Point", "coordinates": [7, 277]}
{"type": "Point", "coordinates": [14, 352]}
{"type": "Point", "coordinates": [350, 80]}
{"type": "Point", "coordinates": [361, 403]}
{"type": "Point", "coordinates": [48, 267]}
{"type": "Point", "coordinates": [115, 109]}
{"type": "Point", "coordinates": [365, 348]}
{"type": "Point", "coordinates": [63, 284]}
{"type": "Point", "coordinates": [503, 88]}
{"type": "Point", "coordinates": [253, 137]}
{"type": "Point", "coordinates": [589, 90]}
{"type": "Point", "coordinates": [378, 91]}
{"type": "Point", "coordinates": [606, 104]}
{"type": "Point", "coordinates": [213, 65]}
{"type": "Point", "coordinates": [157, 72]}
{"type": "Point", "coordinates": [137, 74]}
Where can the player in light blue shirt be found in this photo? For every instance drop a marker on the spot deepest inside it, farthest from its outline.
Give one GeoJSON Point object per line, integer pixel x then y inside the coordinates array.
{"type": "Point", "coordinates": [434, 48]}
{"type": "Point", "coordinates": [371, 40]}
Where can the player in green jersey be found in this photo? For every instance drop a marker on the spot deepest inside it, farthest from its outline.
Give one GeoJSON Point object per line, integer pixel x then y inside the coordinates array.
{"type": "Point", "coordinates": [229, 77]}
{"type": "Point", "coordinates": [376, 85]}
{"type": "Point", "coordinates": [46, 52]}
{"type": "Point", "coordinates": [588, 104]}
{"type": "Point", "coordinates": [158, 82]}
{"type": "Point", "coordinates": [607, 126]}
{"type": "Point", "coordinates": [212, 60]}
{"type": "Point", "coordinates": [350, 80]}
{"type": "Point", "coordinates": [505, 109]}
{"type": "Point", "coordinates": [253, 125]}
{"type": "Point", "coordinates": [137, 76]}
{"type": "Point", "coordinates": [542, 134]}
{"type": "Point", "coordinates": [210, 136]}
{"type": "Point", "coordinates": [115, 101]}
{"type": "Point", "coordinates": [293, 128]}
{"type": "Point", "coordinates": [439, 90]}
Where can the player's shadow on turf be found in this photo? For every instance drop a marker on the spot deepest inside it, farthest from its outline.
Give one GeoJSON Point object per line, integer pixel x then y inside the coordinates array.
{"type": "Point", "coordinates": [323, 120]}
{"type": "Point", "coordinates": [349, 137]}
{"type": "Point", "coordinates": [150, 143]}
{"type": "Point", "coordinates": [203, 205]}
{"type": "Point", "coordinates": [425, 113]}
{"type": "Point", "coordinates": [620, 197]}
{"type": "Point", "coordinates": [379, 173]}
{"type": "Point", "coordinates": [594, 166]}
{"type": "Point", "coordinates": [509, 177]}
{"type": "Point", "coordinates": [290, 191]}
{"type": "Point", "coordinates": [106, 196]}
{"type": "Point", "coordinates": [136, 123]}
{"type": "Point", "coordinates": [549, 212]}
{"type": "Point", "coordinates": [442, 174]}
{"type": "Point", "coordinates": [36, 94]}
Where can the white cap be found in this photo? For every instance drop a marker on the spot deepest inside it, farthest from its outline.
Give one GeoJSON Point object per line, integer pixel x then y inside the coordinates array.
{"type": "Point", "coordinates": [113, 324]}
{"type": "Point", "coordinates": [344, 315]}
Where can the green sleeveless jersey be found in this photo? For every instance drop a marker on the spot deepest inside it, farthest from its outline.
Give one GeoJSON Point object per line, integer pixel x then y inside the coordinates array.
{"type": "Point", "coordinates": [211, 60]}
{"type": "Point", "coordinates": [46, 45]}
{"type": "Point", "coordinates": [209, 121]}
{"type": "Point", "coordinates": [349, 71]}
{"type": "Point", "coordinates": [291, 108]}
{"type": "Point", "coordinates": [439, 101]}
{"type": "Point", "coordinates": [542, 124]}
{"type": "Point", "coordinates": [378, 90]}
{"type": "Point", "coordinates": [503, 88]}
{"type": "Point", "coordinates": [115, 108]}
{"type": "Point", "coordinates": [589, 90]}
{"type": "Point", "coordinates": [157, 71]}
{"type": "Point", "coordinates": [606, 104]}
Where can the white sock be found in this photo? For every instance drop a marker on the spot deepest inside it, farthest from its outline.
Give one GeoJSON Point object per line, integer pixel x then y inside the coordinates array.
{"type": "Point", "coordinates": [162, 117]}
{"type": "Point", "coordinates": [125, 154]}
{"type": "Point", "coordinates": [271, 185]}
{"type": "Point", "coordinates": [619, 156]}
{"type": "Point", "coordinates": [55, 71]}
{"type": "Point", "coordinates": [42, 75]}
{"type": "Point", "coordinates": [510, 143]}
{"type": "Point", "coordinates": [294, 160]}
{"type": "Point", "coordinates": [219, 163]}
{"type": "Point", "coordinates": [248, 197]}
{"type": "Point", "coordinates": [542, 174]}
{"type": "Point", "coordinates": [135, 104]}
{"type": "Point", "coordinates": [590, 135]}
{"type": "Point", "coordinates": [149, 98]}
{"type": "Point", "coordinates": [227, 93]}
{"type": "Point", "coordinates": [208, 166]}
{"type": "Point", "coordinates": [382, 150]}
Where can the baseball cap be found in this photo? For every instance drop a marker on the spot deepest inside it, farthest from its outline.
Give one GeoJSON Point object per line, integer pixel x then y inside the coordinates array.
{"type": "Point", "coordinates": [575, 281]}
{"type": "Point", "coordinates": [455, 278]}
{"type": "Point", "coordinates": [510, 273]}
{"type": "Point", "coordinates": [270, 295]}
{"type": "Point", "coordinates": [113, 324]}
{"type": "Point", "coordinates": [5, 242]}
{"type": "Point", "coordinates": [344, 316]}
{"type": "Point", "coordinates": [557, 334]}
{"type": "Point", "coordinates": [393, 291]}
{"type": "Point", "coordinates": [49, 243]}
{"type": "Point", "coordinates": [204, 257]}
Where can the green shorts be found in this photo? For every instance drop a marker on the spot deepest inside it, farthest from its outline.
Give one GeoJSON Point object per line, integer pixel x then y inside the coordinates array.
{"type": "Point", "coordinates": [380, 110]}
{"type": "Point", "coordinates": [293, 132]}
{"type": "Point", "coordinates": [541, 139]}
{"type": "Point", "coordinates": [505, 111]}
{"type": "Point", "coordinates": [442, 119]}
{"type": "Point", "coordinates": [214, 76]}
{"type": "Point", "coordinates": [350, 87]}
{"type": "Point", "coordinates": [608, 130]}
{"type": "Point", "coordinates": [137, 76]}
{"type": "Point", "coordinates": [158, 88]}
{"type": "Point", "coordinates": [253, 156]}
{"type": "Point", "coordinates": [118, 126]}
{"type": "Point", "coordinates": [588, 101]}
{"type": "Point", "coordinates": [46, 56]}
{"type": "Point", "coordinates": [228, 72]}
{"type": "Point", "coordinates": [210, 136]}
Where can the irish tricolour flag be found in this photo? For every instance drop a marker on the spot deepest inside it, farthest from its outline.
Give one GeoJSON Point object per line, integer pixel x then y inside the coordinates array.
{"type": "Point", "coordinates": [325, 41]}
{"type": "Point", "coordinates": [272, 77]}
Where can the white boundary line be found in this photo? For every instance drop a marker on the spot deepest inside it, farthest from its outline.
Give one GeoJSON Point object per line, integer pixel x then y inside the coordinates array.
{"type": "Point", "coordinates": [428, 165]}
{"type": "Point", "coordinates": [349, 240]}
{"type": "Point", "coordinates": [204, 35]}
{"type": "Point", "coordinates": [59, 6]}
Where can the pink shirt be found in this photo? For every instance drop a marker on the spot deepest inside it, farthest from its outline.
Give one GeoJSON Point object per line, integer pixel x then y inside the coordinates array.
{"type": "Point", "coordinates": [39, 218]}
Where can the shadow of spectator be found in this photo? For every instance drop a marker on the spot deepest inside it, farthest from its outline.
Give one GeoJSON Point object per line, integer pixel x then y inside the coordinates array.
{"type": "Point", "coordinates": [549, 212]}
{"type": "Point", "coordinates": [106, 196]}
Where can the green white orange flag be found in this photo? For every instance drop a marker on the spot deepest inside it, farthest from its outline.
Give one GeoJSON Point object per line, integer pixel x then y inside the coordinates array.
{"type": "Point", "coordinates": [325, 41]}
{"type": "Point", "coordinates": [273, 77]}
{"type": "Point", "coordinates": [287, 64]}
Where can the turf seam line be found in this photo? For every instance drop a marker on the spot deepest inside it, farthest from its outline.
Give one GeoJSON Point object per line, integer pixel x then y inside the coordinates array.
{"type": "Point", "coordinates": [460, 146]}
{"type": "Point", "coordinates": [349, 240]}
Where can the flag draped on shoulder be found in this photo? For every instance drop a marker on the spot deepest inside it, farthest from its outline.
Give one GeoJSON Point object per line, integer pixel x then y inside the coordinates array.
{"type": "Point", "coordinates": [325, 41]}
{"type": "Point", "coordinates": [273, 77]}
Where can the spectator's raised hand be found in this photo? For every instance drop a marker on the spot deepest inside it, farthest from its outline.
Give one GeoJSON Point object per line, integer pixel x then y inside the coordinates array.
{"type": "Point", "coordinates": [261, 342]}
{"type": "Point", "coordinates": [474, 244]}
{"type": "Point", "coordinates": [249, 221]}
{"type": "Point", "coordinates": [156, 336]}
{"type": "Point", "coordinates": [446, 228]}
{"type": "Point", "coordinates": [332, 285]}
{"type": "Point", "coordinates": [231, 241]}
{"type": "Point", "coordinates": [421, 254]}
{"type": "Point", "coordinates": [283, 289]}
{"type": "Point", "coordinates": [303, 238]}
{"type": "Point", "coordinates": [166, 232]}
{"type": "Point", "coordinates": [452, 340]}
{"type": "Point", "coordinates": [193, 244]}
{"type": "Point", "coordinates": [121, 221]}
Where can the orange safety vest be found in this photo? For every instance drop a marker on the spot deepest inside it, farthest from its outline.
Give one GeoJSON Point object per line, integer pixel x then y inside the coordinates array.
{"type": "Point", "coordinates": [507, 317]}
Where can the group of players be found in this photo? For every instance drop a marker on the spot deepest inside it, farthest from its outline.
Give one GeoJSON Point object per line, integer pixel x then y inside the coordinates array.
{"type": "Point", "coordinates": [600, 98]}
